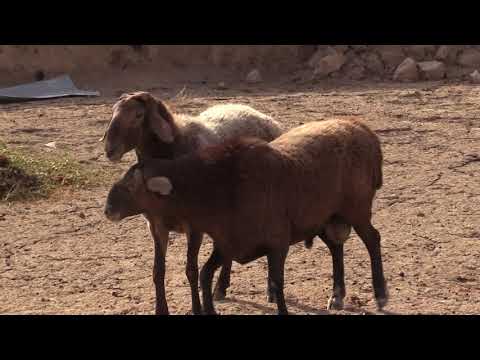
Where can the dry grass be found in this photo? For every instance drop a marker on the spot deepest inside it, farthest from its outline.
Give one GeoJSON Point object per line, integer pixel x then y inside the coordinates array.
{"type": "Point", "coordinates": [27, 175]}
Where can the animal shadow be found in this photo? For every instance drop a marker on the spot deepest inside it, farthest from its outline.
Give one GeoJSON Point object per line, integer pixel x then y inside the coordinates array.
{"type": "Point", "coordinates": [294, 304]}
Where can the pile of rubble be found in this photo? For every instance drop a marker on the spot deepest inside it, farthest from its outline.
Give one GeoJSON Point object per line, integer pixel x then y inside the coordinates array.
{"type": "Point", "coordinates": [396, 62]}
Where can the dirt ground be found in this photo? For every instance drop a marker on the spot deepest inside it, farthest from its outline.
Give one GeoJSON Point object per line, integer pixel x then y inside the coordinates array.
{"type": "Point", "coordinates": [61, 256]}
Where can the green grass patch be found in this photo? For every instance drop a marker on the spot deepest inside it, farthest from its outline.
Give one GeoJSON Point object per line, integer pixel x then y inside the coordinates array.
{"type": "Point", "coordinates": [28, 175]}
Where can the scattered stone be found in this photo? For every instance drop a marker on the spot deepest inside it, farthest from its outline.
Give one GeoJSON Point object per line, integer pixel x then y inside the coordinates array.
{"type": "Point", "coordinates": [329, 64]}
{"type": "Point", "coordinates": [401, 274]}
{"type": "Point", "coordinates": [447, 54]}
{"type": "Point", "coordinates": [432, 70]}
{"type": "Point", "coordinates": [82, 215]}
{"type": "Point", "coordinates": [391, 55]}
{"type": "Point", "coordinates": [359, 48]}
{"type": "Point", "coordinates": [469, 58]}
{"type": "Point", "coordinates": [52, 145]}
{"type": "Point", "coordinates": [354, 69]}
{"type": "Point", "coordinates": [475, 77]}
{"type": "Point", "coordinates": [458, 72]}
{"type": "Point", "coordinates": [406, 71]}
{"type": "Point", "coordinates": [373, 62]}
{"type": "Point", "coordinates": [341, 48]}
{"type": "Point", "coordinates": [254, 77]}
{"type": "Point", "coordinates": [321, 52]}
{"type": "Point", "coordinates": [421, 52]}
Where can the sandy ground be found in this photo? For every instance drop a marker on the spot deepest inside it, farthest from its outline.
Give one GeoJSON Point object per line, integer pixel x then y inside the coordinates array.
{"type": "Point", "coordinates": [61, 256]}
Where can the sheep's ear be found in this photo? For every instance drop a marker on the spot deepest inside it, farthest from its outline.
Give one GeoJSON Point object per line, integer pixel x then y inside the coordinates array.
{"type": "Point", "coordinates": [106, 131]}
{"type": "Point", "coordinates": [159, 117]}
{"type": "Point", "coordinates": [161, 185]}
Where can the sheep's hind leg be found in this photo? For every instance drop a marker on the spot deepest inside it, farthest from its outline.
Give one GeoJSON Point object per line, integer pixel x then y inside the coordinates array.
{"type": "Point", "coordinates": [336, 250]}
{"type": "Point", "coordinates": [223, 282]}
{"type": "Point", "coordinates": [194, 243]}
{"type": "Point", "coordinates": [276, 269]}
{"type": "Point", "coordinates": [206, 277]}
{"type": "Point", "coordinates": [371, 238]}
{"type": "Point", "coordinates": [270, 292]}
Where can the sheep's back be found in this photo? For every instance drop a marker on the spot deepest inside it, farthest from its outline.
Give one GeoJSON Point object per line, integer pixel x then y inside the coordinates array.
{"type": "Point", "coordinates": [194, 134]}
{"type": "Point", "coordinates": [328, 165]}
{"type": "Point", "coordinates": [236, 120]}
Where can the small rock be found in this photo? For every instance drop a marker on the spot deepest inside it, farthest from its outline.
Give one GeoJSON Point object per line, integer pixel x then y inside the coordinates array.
{"type": "Point", "coordinates": [373, 62]}
{"type": "Point", "coordinates": [391, 55]}
{"type": "Point", "coordinates": [446, 53]}
{"type": "Point", "coordinates": [420, 214]}
{"type": "Point", "coordinates": [254, 77]}
{"type": "Point", "coordinates": [406, 71]}
{"type": "Point", "coordinates": [401, 274]}
{"type": "Point", "coordinates": [341, 48]}
{"type": "Point", "coordinates": [329, 64]}
{"type": "Point", "coordinates": [321, 52]}
{"type": "Point", "coordinates": [52, 145]}
{"type": "Point", "coordinates": [469, 58]}
{"type": "Point", "coordinates": [432, 70]}
{"type": "Point", "coordinates": [354, 69]}
{"type": "Point", "coordinates": [462, 279]}
{"type": "Point", "coordinates": [359, 48]}
{"type": "Point", "coordinates": [82, 215]}
{"type": "Point", "coordinates": [475, 77]}
{"type": "Point", "coordinates": [420, 52]}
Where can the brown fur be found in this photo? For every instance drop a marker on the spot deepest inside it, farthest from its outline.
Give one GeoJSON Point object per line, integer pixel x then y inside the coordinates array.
{"type": "Point", "coordinates": [304, 177]}
{"type": "Point", "coordinates": [256, 199]}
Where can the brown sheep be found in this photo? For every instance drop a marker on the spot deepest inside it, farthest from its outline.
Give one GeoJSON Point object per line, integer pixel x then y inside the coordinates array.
{"type": "Point", "coordinates": [145, 124]}
{"type": "Point", "coordinates": [256, 199]}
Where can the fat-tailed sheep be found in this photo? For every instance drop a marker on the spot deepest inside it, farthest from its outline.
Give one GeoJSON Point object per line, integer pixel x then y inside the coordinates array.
{"type": "Point", "coordinates": [256, 199]}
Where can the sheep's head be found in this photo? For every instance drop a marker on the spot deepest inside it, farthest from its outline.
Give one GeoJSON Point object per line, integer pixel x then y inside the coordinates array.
{"type": "Point", "coordinates": [136, 116]}
{"type": "Point", "coordinates": [133, 195]}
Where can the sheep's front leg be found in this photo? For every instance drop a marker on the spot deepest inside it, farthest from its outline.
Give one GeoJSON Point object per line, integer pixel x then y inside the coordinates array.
{"type": "Point", "coordinates": [160, 238]}
{"type": "Point", "coordinates": [194, 243]}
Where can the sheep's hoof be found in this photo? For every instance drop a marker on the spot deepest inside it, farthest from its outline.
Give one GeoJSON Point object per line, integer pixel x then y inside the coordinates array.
{"type": "Point", "coordinates": [220, 294]}
{"type": "Point", "coordinates": [335, 303]}
{"type": "Point", "coordinates": [382, 300]}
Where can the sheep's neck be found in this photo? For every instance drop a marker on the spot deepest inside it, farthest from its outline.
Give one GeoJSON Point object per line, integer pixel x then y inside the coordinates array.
{"type": "Point", "coordinates": [152, 147]}
{"type": "Point", "coordinates": [202, 193]}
